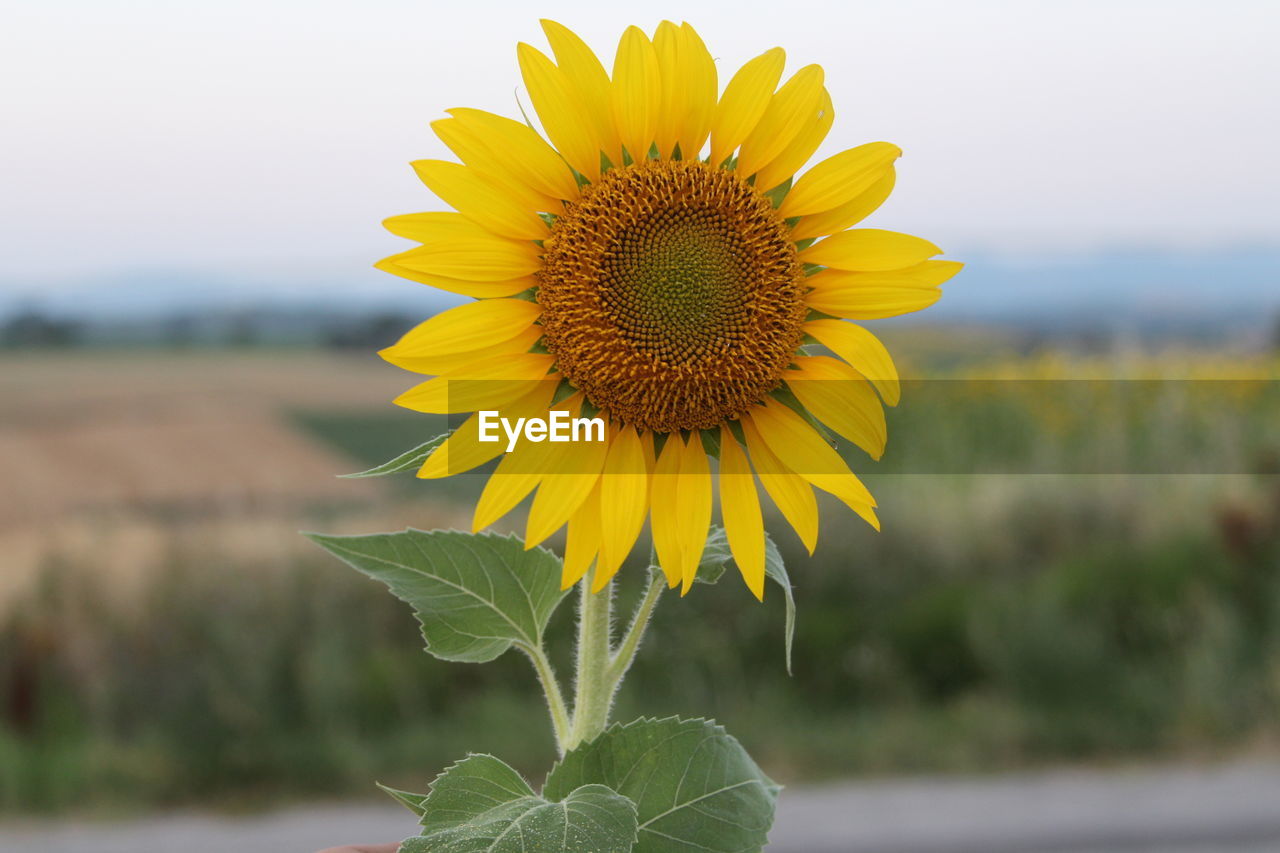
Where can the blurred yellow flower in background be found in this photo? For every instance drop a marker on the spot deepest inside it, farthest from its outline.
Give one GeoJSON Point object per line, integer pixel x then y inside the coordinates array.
{"type": "Point", "coordinates": [651, 261]}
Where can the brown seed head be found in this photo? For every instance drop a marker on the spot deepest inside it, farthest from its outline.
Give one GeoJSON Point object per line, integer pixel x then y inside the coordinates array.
{"type": "Point", "coordinates": [672, 295]}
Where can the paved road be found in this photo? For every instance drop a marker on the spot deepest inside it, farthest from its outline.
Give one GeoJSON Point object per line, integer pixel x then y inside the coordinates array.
{"type": "Point", "coordinates": [1227, 809]}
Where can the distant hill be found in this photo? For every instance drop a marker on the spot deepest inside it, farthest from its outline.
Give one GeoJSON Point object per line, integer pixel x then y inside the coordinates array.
{"type": "Point", "coordinates": [1127, 290]}
{"type": "Point", "coordinates": [1134, 286]}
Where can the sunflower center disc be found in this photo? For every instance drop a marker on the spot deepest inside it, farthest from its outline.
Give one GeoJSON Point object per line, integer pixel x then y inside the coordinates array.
{"type": "Point", "coordinates": [672, 295]}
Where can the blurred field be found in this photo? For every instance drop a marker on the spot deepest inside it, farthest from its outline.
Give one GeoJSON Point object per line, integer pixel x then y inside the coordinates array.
{"type": "Point", "coordinates": [1065, 574]}
{"type": "Point", "coordinates": [111, 458]}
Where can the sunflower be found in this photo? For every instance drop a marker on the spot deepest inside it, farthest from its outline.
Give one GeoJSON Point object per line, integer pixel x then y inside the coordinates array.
{"type": "Point", "coordinates": [652, 258]}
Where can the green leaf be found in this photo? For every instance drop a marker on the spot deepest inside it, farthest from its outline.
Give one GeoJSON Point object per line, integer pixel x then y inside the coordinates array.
{"type": "Point", "coordinates": [480, 805]}
{"type": "Point", "coordinates": [695, 787]}
{"type": "Point", "coordinates": [413, 802]}
{"type": "Point", "coordinates": [715, 559]}
{"type": "Point", "coordinates": [778, 193]}
{"type": "Point", "coordinates": [410, 460]}
{"type": "Point", "coordinates": [474, 595]}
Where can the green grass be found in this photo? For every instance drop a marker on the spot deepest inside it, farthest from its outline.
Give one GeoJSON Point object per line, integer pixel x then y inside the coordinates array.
{"type": "Point", "coordinates": [999, 620]}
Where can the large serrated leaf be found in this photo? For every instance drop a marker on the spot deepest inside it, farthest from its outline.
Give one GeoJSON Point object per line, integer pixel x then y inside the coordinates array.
{"type": "Point", "coordinates": [473, 594]}
{"type": "Point", "coordinates": [481, 805]}
{"type": "Point", "coordinates": [715, 559]}
{"type": "Point", "coordinates": [695, 787]}
{"type": "Point", "coordinates": [410, 460]}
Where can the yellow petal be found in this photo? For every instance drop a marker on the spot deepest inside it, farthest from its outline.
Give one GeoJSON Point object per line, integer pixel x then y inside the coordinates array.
{"type": "Point", "coordinates": [839, 396]}
{"type": "Point", "coordinates": [524, 149]}
{"type": "Point", "coordinates": [668, 42]}
{"type": "Point", "coordinates": [588, 82]}
{"type": "Point", "coordinates": [475, 289]}
{"type": "Point", "coordinates": [663, 513]}
{"type": "Point", "coordinates": [693, 500]}
{"type": "Point", "coordinates": [523, 469]}
{"type": "Point", "coordinates": [698, 71]}
{"type": "Point", "coordinates": [493, 165]}
{"type": "Point", "coordinates": [516, 476]}
{"type": "Point", "coordinates": [804, 452]}
{"type": "Point", "coordinates": [564, 115]}
{"type": "Point", "coordinates": [582, 542]}
{"type": "Point", "coordinates": [558, 498]}
{"type": "Point", "coordinates": [848, 214]}
{"type": "Point", "coordinates": [573, 470]}
{"type": "Point", "coordinates": [862, 350]}
{"type": "Point", "coordinates": [869, 250]}
{"type": "Point", "coordinates": [650, 457]}
{"type": "Point", "coordinates": [812, 130]}
{"type": "Point", "coordinates": [486, 384]}
{"type": "Point", "coordinates": [637, 92]}
{"type": "Point", "coordinates": [839, 178]}
{"type": "Point", "coordinates": [869, 296]}
{"type": "Point", "coordinates": [463, 450]}
{"type": "Point", "coordinates": [740, 509]}
{"type": "Point", "coordinates": [468, 327]}
{"type": "Point", "coordinates": [471, 259]}
{"type": "Point", "coordinates": [460, 452]}
{"type": "Point", "coordinates": [459, 256]}
{"type": "Point", "coordinates": [932, 273]}
{"type": "Point", "coordinates": [790, 493]}
{"type": "Point", "coordinates": [875, 303]}
{"type": "Point", "coordinates": [624, 502]}
{"type": "Point", "coordinates": [436, 365]}
{"type": "Point", "coordinates": [480, 200]}
{"type": "Point", "coordinates": [435, 226]}
{"type": "Point", "coordinates": [782, 121]}
{"type": "Point", "coordinates": [744, 100]}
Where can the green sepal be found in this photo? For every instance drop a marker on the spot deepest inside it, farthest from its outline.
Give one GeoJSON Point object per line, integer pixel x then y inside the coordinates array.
{"type": "Point", "coordinates": [564, 391]}
{"type": "Point", "coordinates": [410, 460]}
{"type": "Point", "coordinates": [778, 193]}
{"type": "Point", "coordinates": [787, 397]}
{"type": "Point", "coordinates": [815, 314]}
{"type": "Point", "coordinates": [710, 442]}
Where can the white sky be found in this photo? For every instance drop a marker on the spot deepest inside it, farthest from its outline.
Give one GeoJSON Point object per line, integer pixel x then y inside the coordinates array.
{"type": "Point", "coordinates": [269, 137]}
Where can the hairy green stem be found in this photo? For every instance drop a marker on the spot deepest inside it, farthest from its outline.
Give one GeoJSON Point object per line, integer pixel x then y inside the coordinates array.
{"type": "Point", "coordinates": [560, 722]}
{"type": "Point", "coordinates": [600, 666]}
{"type": "Point", "coordinates": [594, 696]}
{"type": "Point", "coordinates": [626, 651]}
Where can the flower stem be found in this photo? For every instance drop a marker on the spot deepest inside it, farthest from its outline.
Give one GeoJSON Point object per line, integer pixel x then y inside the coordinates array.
{"type": "Point", "coordinates": [595, 688]}
{"type": "Point", "coordinates": [560, 722]}
{"type": "Point", "coordinates": [626, 652]}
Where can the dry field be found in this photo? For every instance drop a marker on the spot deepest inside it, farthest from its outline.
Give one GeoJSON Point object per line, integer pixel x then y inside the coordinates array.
{"type": "Point", "coordinates": [116, 459]}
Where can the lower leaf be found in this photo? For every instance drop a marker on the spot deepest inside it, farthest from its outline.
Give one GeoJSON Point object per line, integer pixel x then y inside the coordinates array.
{"type": "Point", "coordinates": [694, 786]}
{"type": "Point", "coordinates": [481, 805]}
